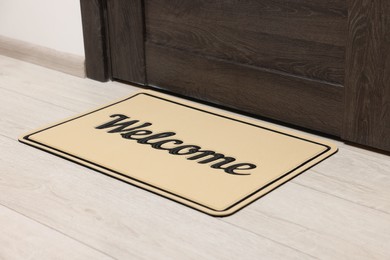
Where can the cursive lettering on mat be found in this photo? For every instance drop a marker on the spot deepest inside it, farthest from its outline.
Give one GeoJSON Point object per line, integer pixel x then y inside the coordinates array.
{"type": "Point", "coordinates": [162, 141]}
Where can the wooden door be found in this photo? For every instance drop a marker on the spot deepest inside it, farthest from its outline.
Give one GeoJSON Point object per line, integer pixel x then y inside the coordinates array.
{"type": "Point", "coordinates": [303, 62]}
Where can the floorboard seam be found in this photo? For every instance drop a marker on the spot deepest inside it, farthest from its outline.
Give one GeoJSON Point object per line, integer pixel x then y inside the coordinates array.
{"type": "Point", "coordinates": [58, 231]}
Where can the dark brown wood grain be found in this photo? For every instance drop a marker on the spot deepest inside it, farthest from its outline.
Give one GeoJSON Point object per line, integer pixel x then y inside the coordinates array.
{"type": "Point", "coordinates": [367, 86]}
{"type": "Point", "coordinates": [301, 37]}
{"type": "Point", "coordinates": [312, 104]}
{"type": "Point", "coordinates": [288, 60]}
{"type": "Point", "coordinates": [95, 37]}
{"type": "Point", "coordinates": [126, 31]}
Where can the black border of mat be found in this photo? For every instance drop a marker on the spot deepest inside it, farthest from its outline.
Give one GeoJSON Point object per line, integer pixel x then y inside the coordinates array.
{"type": "Point", "coordinates": [27, 137]}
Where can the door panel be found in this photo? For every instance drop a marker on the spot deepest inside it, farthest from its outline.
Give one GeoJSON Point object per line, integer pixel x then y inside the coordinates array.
{"type": "Point", "coordinates": [280, 59]}
{"type": "Point", "coordinates": [300, 37]}
{"type": "Point", "coordinates": [301, 102]}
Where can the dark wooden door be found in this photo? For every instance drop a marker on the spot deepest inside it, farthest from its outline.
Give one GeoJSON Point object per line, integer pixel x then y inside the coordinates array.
{"type": "Point", "coordinates": [304, 62]}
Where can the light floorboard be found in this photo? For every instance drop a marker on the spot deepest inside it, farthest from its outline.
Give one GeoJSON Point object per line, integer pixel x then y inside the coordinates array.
{"type": "Point", "coordinates": [23, 238]}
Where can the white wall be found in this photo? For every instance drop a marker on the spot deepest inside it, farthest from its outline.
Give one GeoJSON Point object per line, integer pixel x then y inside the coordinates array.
{"type": "Point", "coordinates": [55, 24]}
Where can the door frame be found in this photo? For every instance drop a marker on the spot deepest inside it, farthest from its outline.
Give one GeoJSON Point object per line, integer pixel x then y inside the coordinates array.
{"type": "Point", "coordinates": [97, 27]}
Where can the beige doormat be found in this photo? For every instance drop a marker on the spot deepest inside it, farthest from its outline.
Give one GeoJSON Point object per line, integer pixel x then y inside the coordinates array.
{"type": "Point", "coordinates": [193, 154]}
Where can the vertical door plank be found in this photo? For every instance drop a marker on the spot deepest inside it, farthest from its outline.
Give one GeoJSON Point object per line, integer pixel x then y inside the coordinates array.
{"type": "Point", "coordinates": [95, 37]}
{"type": "Point", "coordinates": [126, 31]}
{"type": "Point", "coordinates": [367, 86]}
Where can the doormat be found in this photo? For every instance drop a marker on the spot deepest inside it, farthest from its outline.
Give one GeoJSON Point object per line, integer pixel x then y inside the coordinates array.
{"type": "Point", "coordinates": [193, 154]}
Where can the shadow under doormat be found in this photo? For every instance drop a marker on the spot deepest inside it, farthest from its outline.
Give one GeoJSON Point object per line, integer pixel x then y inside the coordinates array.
{"type": "Point", "coordinates": [193, 154]}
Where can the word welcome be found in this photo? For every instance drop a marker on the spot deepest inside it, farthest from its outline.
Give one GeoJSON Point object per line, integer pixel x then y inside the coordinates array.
{"type": "Point", "coordinates": [160, 141]}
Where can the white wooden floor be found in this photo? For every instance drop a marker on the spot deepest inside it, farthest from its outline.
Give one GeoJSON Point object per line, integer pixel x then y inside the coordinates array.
{"type": "Point", "coordinates": [53, 209]}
